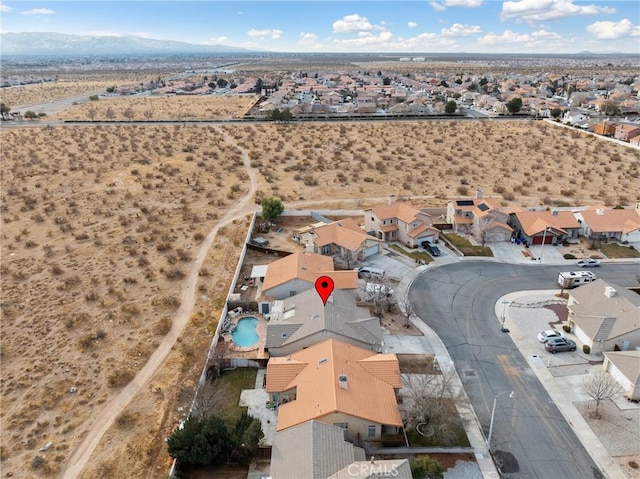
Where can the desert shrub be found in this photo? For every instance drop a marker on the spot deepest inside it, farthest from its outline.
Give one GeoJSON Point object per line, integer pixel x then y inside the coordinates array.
{"type": "Point", "coordinates": [163, 325]}
{"type": "Point", "coordinates": [174, 274]}
{"type": "Point", "coordinates": [566, 328]}
{"type": "Point", "coordinates": [125, 420]}
{"type": "Point", "coordinates": [586, 349]}
{"type": "Point", "coordinates": [120, 378]}
{"type": "Point", "coordinates": [462, 190]}
{"type": "Point", "coordinates": [309, 180]}
{"type": "Point", "coordinates": [568, 256]}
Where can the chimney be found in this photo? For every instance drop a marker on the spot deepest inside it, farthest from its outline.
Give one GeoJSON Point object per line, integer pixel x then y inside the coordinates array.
{"type": "Point", "coordinates": [392, 199]}
{"type": "Point", "coordinates": [479, 194]}
{"type": "Point", "coordinates": [342, 381]}
{"type": "Point", "coordinates": [554, 212]}
{"type": "Point", "coordinates": [600, 212]}
{"type": "Point", "coordinates": [609, 292]}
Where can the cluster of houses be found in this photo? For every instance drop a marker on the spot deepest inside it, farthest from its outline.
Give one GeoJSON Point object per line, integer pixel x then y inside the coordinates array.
{"type": "Point", "coordinates": [334, 390]}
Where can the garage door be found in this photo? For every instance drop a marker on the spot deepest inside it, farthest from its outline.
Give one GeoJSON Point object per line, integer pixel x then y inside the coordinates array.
{"type": "Point", "coordinates": [426, 238]}
{"type": "Point", "coordinates": [371, 250]}
{"type": "Point", "coordinates": [548, 239]}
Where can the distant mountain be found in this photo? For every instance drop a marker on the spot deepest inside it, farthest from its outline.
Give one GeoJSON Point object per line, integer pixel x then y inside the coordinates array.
{"type": "Point", "coordinates": [35, 43]}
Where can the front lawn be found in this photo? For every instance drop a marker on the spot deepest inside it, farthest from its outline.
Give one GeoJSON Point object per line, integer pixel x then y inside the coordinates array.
{"type": "Point", "coordinates": [465, 247]}
{"type": "Point", "coordinates": [614, 250]}
{"type": "Point", "coordinates": [414, 255]}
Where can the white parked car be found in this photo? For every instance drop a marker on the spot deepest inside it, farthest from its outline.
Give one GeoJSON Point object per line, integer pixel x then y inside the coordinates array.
{"type": "Point", "coordinates": [544, 336]}
{"type": "Point", "coordinates": [589, 263]}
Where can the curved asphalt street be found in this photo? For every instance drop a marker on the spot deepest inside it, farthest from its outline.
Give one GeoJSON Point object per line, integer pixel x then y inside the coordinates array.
{"type": "Point", "coordinates": [530, 436]}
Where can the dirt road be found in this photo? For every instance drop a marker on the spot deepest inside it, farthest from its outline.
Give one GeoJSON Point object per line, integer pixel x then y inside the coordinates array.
{"type": "Point", "coordinates": [99, 424]}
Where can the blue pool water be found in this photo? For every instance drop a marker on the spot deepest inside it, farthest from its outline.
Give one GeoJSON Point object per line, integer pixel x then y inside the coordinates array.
{"type": "Point", "coordinates": [245, 333]}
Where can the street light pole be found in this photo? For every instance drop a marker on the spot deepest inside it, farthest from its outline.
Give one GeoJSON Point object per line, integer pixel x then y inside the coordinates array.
{"type": "Point", "coordinates": [493, 412]}
{"type": "Point", "coordinates": [504, 311]}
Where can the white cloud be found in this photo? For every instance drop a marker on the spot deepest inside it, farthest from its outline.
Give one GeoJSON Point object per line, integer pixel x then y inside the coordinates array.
{"type": "Point", "coordinates": [354, 23]}
{"type": "Point", "coordinates": [613, 30]}
{"type": "Point", "coordinates": [541, 10]}
{"type": "Point", "coordinates": [216, 40]}
{"type": "Point", "coordinates": [443, 4]}
{"type": "Point", "coordinates": [507, 37]}
{"type": "Point", "coordinates": [38, 11]}
{"type": "Point", "coordinates": [546, 35]}
{"type": "Point", "coordinates": [5, 8]}
{"type": "Point", "coordinates": [273, 34]}
{"type": "Point", "coordinates": [459, 30]}
{"type": "Point", "coordinates": [310, 40]}
{"type": "Point", "coordinates": [412, 24]}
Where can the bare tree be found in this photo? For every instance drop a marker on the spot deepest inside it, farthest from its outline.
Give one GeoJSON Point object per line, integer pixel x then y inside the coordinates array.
{"type": "Point", "coordinates": [128, 114]}
{"type": "Point", "coordinates": [378, 292]}
{"type": "Point", "coordinates": [600, 386]}
{"type": "Point", "coordinates": [110, 114]}
{"type": "Point", "coordinates": [148, 114]}
{"type": "Point", "coordinates": [91, 113]}
{"type": "Point", "coordinates": [408, 310]}
{"type": "Point", "coordinates": [349, 257]}
{"type": "Point", "coordinates": [210, 397]}
{"type": "Point", "coordinates": [429, 404]}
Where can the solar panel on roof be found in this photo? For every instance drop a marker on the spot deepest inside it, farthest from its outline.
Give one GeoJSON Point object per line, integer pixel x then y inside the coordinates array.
{"type": "Point", "coordinates": [483, 207]}
{"type": "Point", "coordinates": [464, 202]}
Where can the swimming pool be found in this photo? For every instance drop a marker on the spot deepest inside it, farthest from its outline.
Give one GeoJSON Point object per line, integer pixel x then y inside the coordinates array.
{"type": "Point", "coordinates": [245, 332]}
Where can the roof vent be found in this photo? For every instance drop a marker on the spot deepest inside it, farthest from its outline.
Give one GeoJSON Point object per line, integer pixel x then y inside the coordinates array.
{"type": "Point", "coordinates": [609, 292]}
{"type": "Point", "coordinates": [315, 316]}
{"type": "Point", "coordinates": [342, 381]}
{"type": "Point", "coordinates": [554, 212]}
{"type": "Point", "coordinates": [600, 212]}
{"type": "Point", "coordinates": [323, 360]}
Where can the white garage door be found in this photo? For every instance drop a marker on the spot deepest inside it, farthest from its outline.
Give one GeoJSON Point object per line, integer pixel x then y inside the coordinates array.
{"type": "Point", "coordinates": [371, 250]}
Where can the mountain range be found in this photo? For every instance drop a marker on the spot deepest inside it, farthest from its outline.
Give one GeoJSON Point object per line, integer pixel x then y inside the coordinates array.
{"type": "Point", "coordinates": [49, 43]}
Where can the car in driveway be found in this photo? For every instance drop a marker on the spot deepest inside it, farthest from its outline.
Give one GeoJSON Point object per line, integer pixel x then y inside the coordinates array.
{"type": "Point", "coordinates": [589, 263]}
{"type": "Point", "coordinates": [560, 344]}
{"type": "Point", "coordinates": [544, 336]}
{"type": "Point", "coordinates": [370, 272]}
{"type": "Point", "coordinates": [432, 249]}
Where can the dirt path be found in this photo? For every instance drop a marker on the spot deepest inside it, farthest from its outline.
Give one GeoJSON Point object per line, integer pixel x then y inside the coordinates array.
{"type": "Point", "coordinates": [98, 425]}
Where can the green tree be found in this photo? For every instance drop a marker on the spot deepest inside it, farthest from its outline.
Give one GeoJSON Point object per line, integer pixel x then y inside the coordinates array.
{"type": "Point", "coordinates": [93, 98]}
{"type": "Point", "coordinates": [556, 112]}
{"type": "Point", "coordinates": [258, 86]}
{"type": "Point", "coordinates": [200, 442]}
{"type": "Point", "coordinates": [286, 115]}
{"type": "Point", "coordinates": [271, 208]}
{"type": "Point", "coordinates": [275, 115]}
{"type": "Point", "coordinates": [386, 81]}
{"type": "Point", "coordinates": [4, 110]}
{"type": "Point", "coordinates": [222, 82]}
{"type": "Point", "coordinates": [609, 107]}
{"type": "Point", "coordinates": [246, 436]}
{"type": "Point", "coordinates": [450, 107]}
{"type": "Point", "coordinates": [426, 467]}
{"type": "Point", "coordinates": [514, 105]}
{"type": "Point", "coordinates": [31, 115]}
{"type": "Point", "coordinates": [212, 85]}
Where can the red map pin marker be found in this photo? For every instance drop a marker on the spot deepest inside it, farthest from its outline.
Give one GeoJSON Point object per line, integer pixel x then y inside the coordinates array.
{"type": "Point", "coordinates": [324, 287]}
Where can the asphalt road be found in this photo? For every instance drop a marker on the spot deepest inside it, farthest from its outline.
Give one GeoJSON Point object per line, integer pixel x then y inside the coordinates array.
{"type": "Point", "coordinates": [530, 436]}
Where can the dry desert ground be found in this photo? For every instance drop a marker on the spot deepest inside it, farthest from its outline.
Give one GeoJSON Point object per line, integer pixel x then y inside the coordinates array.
{"type": "Point", "coordinates": [102, 225]}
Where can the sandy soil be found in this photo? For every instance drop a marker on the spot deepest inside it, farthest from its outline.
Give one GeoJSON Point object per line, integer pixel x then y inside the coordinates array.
{"type": "Point", "coordinates": [161, 108]}
{"type": "Point", "coordinates": [103, 226]}
{"type": "Point", "coordinates": [617, 430]}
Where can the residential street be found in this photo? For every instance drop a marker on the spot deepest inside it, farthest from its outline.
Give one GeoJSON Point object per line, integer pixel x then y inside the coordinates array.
{"type": "Point", "coordinates": [530, 436]}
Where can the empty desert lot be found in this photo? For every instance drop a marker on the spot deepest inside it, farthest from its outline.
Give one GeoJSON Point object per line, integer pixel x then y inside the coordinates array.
{"type": "Point", "coordinates": [100, 224]}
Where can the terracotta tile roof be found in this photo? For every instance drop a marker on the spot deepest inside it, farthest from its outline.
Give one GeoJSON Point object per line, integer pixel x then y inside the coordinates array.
{"type": "Point", "coordinates": [602, 220]}
{"type": "Point", "coordinates": [318, 391]}
{"type": "Point", "coordinates": [463, 220]}
{"type": "Point", "coordinates": [535, 222]}
{"type": "Point", "coordinates": [387, 228]}
{"type": "Point", "coordinates": [280, 377]}
{"type": "Point", "coordinates": [303, 315]}
{"type": "Point", "coordinates": [403, 211]}
{"type": "Point", "coordinates": [593, 308]}
{"type": "Point", "coordinates": [296, 265]}
{"type": "Point", "coordinates": [628, 362]}
{"type": "Point", "coordinates": [312, 450]}
{"type": "Point", "coordinates": [345, 233]}
{"type": "Point", "coordinates": [419, 230]}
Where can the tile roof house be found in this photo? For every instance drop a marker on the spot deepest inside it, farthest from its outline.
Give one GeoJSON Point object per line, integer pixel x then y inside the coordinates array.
{"type": "Point", "coordinates": [303, 320]}
{"type": "Point", "coordinates": [399, 221]}
{"type": "Point", "coordinates": [548, 227]}
{"type": "Point", "coordinates": [626, 132]}
{"type": "Point", "coordinates": [315, 450]}
{"type": "Point", "coordinates": [624, 366]}
{"type": "Point", "coordinates": [482, 217]}
{"type": "Point", "coordinates": [343, 239]}
{"type": "Point", "coordinates": [603, 223]}
{"type": "Point", "coordinates": [298, 272]}
{"type": "Point", "coordinates": [605, 318]}
{"type": "Point", "coordinates": [337, 383]}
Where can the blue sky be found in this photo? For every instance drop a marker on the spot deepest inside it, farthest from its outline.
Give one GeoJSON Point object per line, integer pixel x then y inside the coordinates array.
{"type": "Point", "coordinates": [476, 26]}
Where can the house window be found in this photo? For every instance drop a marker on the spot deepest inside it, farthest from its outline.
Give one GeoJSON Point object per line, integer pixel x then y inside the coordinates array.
{"type": "Point", "coordinates": [292, 293]}
{"type": "Point", "coordinates": [415, 224]}
{"type": "Point", "coordinates": [372, 218]}
{"type": "Point", "coordinates": [372, 431]}
{"type": "Point", "coordinates": [326, 249]}
{"type": "Point", "coordinates": [384, 222]}
{"type": "Point", "coordinates": [343, 425]}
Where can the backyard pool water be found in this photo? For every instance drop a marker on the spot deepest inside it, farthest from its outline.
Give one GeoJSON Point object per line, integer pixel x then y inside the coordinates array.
{"type": "Point", "coordinates": [245, 333]}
